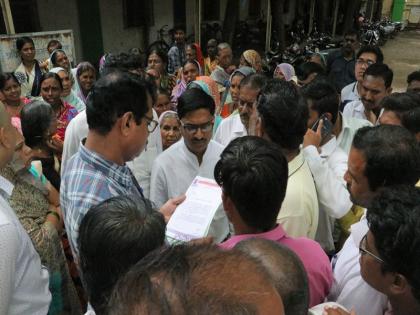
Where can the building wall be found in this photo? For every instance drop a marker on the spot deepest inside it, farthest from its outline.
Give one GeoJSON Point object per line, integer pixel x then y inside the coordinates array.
{"type": "Point", "coordinates": [60, 15]}
{"type": "Point", "coordinates": [387, 7]}
{"type": "Point", "coordinates": [163, 15]}
{"type": "Point", "coordinates": [115, 37]}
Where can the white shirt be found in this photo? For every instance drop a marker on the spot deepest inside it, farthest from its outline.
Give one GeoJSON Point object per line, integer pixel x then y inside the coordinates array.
{"type": "Point", "coordinates": [319, 309]}
{"type": "Point", "coordinates": [328, 169]}
{"type": "Point", "coordinates": [355, 109]}
{"type": "Point", "coordinates": [349, 288]}
{"type": "Point", "coordinates": [349, 128]}
{"type": "Point", "coordinates": [141, 166]}
{"type": "Point", "coordinates": [299, 211]}
{"type": "Point", "coordinates": [350, 93]}
{"type": "Point", "coordinates": [23, 281]}
{"type": "Point", "coordinates": [173, 172]}
{"type": "Point", "coordinates": [230, 129]}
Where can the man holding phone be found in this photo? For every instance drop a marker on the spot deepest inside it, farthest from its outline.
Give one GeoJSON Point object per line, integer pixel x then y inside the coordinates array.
{"type": "Point", "coordinates": [326, 160]}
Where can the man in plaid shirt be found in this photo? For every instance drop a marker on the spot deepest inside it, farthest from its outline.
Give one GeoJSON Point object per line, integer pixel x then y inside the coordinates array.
{"type": "Point", "coordinates": [119, 115]}
{"type": "Point", "coordinates": [176, 55]}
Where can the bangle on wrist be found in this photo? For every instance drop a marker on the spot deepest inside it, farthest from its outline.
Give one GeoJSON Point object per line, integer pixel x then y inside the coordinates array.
{"type": "Point", "coordinates": [54, 214]}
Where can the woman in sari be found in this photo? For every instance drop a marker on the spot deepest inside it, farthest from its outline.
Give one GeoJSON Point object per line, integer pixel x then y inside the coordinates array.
{"type": "Point", "coordinates": [29, 71]}
{"type": "Point", "coordinates": [251, 58]}
{"type": "Point", "coordinates": [189, 72]}
{"type": "Point", "coordinates": [39, 125]}
{"type": "Point", "coordinates": [59, 59]}
{"type": "Point", "coordinates": [85, 77]}
{"type": "Point", "coordinates": [232, 99]}
{"type": "Point", "coordinates": [193, 52]}
{"type": "Point", "coordinates": [11, 90]}
{"type": "Point", "coordinates": [170, 128]}
{"type": "Point", "coordinates": [51, 90]}
{"type": "Point", "coordinates": [286, 72]}
{"type": "Point", "coordinates": [37, 207]}
{"type": "Point", "coordinates": [209, 86]}
{"type": "Point", "coordinates": [159, 60]}
{"type": "Point", "coordinates": [68, 94]}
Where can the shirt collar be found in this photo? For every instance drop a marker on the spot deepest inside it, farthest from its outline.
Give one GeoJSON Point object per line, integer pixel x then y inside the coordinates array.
{"type": "Point", "coordinates": [275, 234]}
{"type": "Point", "coordinates": [359, 107]}
{"type": "Point", "coordinates": [238, 126]}
{"type": "Point", "coordinates": [6, 186]}
{"type": "Point", "coordinates": [120, 173]}
{"type": "Point", "coordinates": [296, 163]}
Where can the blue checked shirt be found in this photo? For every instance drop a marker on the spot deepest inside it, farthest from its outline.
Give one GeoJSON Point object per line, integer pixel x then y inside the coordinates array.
{"type": "Point", "coordinates": [176, 58]}
{"type": "Point", "coordinates": [88, 180]}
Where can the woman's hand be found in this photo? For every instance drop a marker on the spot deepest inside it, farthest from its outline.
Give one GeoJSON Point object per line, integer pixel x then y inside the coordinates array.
{"type": "Point", "coordinates": [335, 310]}
{"type": "Point", "coordinates": [55, 144]}
{"type": "Point", "coordinates": [55, 217]}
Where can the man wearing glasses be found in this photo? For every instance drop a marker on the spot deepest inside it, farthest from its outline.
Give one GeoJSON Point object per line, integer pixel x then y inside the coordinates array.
{"type": "Point", "coordinates": [376, 84]}
{"type": "Point", "coordinates": [119, 115]}
{"type": "Point", "coordinates": [366, 56]}
{"type": "Point", "coordinates": [380, 157]}
{"type": "Point", "coordinates": [389, 252]}
{"type": "Point", "coordinates": [340, 64]}
{"type": "Point", "coordinates": [195, 155]}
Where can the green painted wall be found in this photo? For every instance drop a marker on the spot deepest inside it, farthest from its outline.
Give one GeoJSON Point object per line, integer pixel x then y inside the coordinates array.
{"type": "Point", "coordinates": [397, 10]}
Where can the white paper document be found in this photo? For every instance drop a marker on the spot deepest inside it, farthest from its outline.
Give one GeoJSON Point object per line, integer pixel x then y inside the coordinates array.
{"type": "Point", "coordinates": [192, 218]}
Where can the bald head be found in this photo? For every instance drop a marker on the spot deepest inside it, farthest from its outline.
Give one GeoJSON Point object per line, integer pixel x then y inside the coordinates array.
{"type": "Point", "coordinates": [196, 280]}
{"type": "Point", "coordinates": [285, 269]}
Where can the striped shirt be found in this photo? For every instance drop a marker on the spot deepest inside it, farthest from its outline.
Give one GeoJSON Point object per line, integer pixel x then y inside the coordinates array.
{"type": "Point", "coordinates": [88, 180]}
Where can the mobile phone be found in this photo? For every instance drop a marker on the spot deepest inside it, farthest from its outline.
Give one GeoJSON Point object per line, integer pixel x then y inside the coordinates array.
{"type": "Point", "coordinates": [326, 126]}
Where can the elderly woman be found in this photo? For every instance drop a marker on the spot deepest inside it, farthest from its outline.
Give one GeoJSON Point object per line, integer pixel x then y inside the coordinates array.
{"type": "Point", "coordinates": [170, 128]}
{"type": "Point", "coordinates": [29, 71]}
{"type": "Point", "coordinates": [39, 125]}
{"type": "Point", "coordinates": [231, 102]}
{"type": "Point", "coordinates": [251, 58]}
{"type": "Point", "coordinates": [34, 203]}
{"type": "Point", "coordinates": [51, 91]}
{"type": "Point", "coordinates": [85, 78]}
{"type": "Point", "coordinates": [68, 95]}
{"type": "Point", "coordinates": [285, 71]}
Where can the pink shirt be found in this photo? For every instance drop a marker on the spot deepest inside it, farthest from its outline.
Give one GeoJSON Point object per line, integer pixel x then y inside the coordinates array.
{"type": "Point", "coordinates": [314, 259]}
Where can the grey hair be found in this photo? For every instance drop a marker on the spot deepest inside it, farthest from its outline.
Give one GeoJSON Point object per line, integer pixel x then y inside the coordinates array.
{"type": "Point", "coordinates": [223, 46]}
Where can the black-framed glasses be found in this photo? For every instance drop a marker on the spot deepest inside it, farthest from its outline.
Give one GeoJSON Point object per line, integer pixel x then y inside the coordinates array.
{"type": "Point", "coordinates": [365, 62]}
{"type": "Point", "coordinates": [364, 251]}
{"type": "Point", "coordinates": [190, 128]}
{"type": "Point", "coordinates": [151, 124]}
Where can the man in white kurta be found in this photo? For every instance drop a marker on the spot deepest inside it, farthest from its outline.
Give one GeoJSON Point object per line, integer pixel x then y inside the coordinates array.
{"type": "Point", "coordinates": [174, 170]}
{"type": "Point", "coordinates": [194, 155]}
{"type": "Point", "coordinates": [328, 165]}
{"type": "Point", "coordinates": [230, 129]}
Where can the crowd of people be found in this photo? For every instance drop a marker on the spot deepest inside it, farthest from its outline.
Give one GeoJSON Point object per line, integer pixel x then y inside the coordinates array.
{"type": "Point", "coordinates": [318, 167]}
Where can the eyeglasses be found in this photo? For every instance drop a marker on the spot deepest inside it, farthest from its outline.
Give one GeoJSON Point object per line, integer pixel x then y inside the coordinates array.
{"type": "Point", "coordinates": [364, 251]}
{"type": "Point", "coordinates": [349, 40]}
{"type": "Point", "coordinates": [190, 128]}
{"type": "Point", "coordinates": [151, 124]}
{"type": "Point", "coordinates": [364, 62]}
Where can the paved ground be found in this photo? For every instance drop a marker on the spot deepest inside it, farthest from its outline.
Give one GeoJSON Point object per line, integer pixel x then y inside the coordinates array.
{"type": "Point", "coordinates": [402, 54]}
